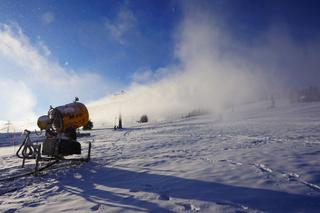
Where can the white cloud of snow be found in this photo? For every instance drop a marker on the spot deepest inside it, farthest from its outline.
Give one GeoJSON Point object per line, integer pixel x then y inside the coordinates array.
{"type": "Point", "coordinates": [204, 80]}
{"type": "Point", "coordinates": [215, 72]}
{"type": "Point", "coordinates": [287, 59]}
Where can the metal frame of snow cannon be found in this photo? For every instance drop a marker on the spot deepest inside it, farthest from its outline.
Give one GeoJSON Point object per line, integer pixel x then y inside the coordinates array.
{"type": "Point", "coordinates": [31, 151]}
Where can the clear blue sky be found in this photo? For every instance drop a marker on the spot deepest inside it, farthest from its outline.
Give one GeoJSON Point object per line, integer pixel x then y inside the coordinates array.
{"type": "Point", "coordinates": [116, 39]}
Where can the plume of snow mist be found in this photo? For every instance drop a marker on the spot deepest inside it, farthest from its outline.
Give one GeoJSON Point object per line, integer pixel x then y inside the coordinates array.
{"type": "Point", "coordinates": [207, 78]}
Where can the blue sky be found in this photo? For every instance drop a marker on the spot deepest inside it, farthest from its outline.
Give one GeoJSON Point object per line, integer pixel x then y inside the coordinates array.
{"type": "Point", "coordinates": [113, 44]}
{"type": "Point", "coordinates": [76, 33]}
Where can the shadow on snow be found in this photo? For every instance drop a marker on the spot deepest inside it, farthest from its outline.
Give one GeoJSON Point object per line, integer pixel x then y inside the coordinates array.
{"type": "Point", "coordinates": [93, 175]}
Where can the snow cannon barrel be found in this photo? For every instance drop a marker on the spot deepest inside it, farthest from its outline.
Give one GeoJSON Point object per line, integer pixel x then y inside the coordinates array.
{"type": "Point", "coordinates": [62, 118]}
{"type": "Point", "coordinates": [73, 115]}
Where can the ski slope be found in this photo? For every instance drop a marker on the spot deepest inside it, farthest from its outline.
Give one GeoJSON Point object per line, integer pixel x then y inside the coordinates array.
{"type": "Point", "coordinates": [251, 160]}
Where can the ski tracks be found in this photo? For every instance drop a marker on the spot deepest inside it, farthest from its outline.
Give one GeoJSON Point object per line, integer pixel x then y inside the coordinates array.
{"type": "Point", "coordinates": [290, 176]}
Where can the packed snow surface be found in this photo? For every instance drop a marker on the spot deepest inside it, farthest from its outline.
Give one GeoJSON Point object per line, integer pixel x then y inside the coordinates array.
{"type": "Point", "coordinates": [251, 160]}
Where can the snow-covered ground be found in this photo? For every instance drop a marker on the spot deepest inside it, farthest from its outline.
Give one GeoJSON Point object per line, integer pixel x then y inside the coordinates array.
{"type": "Point", "coordinates": [251, 160]}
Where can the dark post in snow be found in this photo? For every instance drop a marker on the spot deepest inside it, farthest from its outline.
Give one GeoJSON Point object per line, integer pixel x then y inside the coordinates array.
{"type": "Point", "coordinates": [119, 126]}
{"type": "Point", "coordinates": [273, 103]}
{"type": "Point", "coordinates": [120, 122]}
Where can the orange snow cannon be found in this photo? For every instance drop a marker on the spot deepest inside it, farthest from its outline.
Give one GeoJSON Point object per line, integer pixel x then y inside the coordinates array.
{"type": "Point", "coordinates": [60, 125]}
{"type": "Point", "coordinates": [64, 118]}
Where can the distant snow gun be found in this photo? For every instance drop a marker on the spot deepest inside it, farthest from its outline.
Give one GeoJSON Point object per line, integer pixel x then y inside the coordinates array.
{"type": "Point", "coordinates": [60, 140]}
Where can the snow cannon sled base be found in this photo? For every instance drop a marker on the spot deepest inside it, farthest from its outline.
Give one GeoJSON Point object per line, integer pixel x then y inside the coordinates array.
{"type": "Point", "coordinates": [51, 151]}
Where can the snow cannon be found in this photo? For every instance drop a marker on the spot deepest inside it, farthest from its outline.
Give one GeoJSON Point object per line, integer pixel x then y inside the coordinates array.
{"type": "Point", "coordinates": [60, 125]}
{"type": "Point", "coordinates": [66, 117]}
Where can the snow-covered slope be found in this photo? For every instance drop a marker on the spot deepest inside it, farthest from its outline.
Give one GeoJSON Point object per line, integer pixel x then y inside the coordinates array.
{"type": "Point", "coordinates": [249, 160]}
